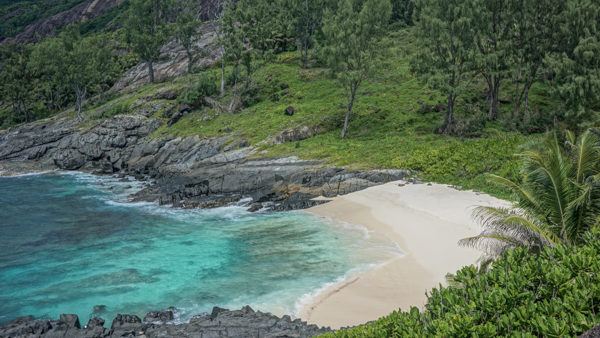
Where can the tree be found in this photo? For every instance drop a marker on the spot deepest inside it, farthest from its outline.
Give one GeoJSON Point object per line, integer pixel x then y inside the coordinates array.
{"type": "Point", "coordinates": [17, 82]}
{"type": "Point", "coordinates": [576, 63]}
{"type": "Point", "coordinates": [186, 27]}
{"type": "Point", "coordinates": [146, 30]}
{"type": "Point", "coordinates": [533, 36]}
{"type": "Point", "coordinates": [87, 64]}
{"type": "Point", "coordinates": [350, 36]}
{"type": "Point", "coordinates": [307, 17]}
{"type": "Point", "coordinates": [558, 198]}
{"type": "Point", "coordinates": [446, 49]}
{"type": "Point", "coordinates": [493, 20]}
{"type": "Point", "coordinates": [402, 11]}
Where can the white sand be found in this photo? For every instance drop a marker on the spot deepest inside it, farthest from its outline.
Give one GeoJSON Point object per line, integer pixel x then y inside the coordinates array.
{"type": "Point", "coordinates": [426, 221]}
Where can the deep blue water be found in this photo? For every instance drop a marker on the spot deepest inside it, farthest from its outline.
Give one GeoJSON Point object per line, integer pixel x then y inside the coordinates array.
{"type": "Point", "coordinates": [70, 242]}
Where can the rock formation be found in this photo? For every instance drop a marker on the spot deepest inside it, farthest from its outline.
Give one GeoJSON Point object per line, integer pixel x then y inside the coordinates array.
{"type": "Point", "coordinates": [244, 323]}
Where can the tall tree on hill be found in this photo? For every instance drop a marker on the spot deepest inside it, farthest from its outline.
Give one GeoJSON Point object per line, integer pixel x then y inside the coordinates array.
{"type": "Point", "coordinates": [146, 30]}
{"type": "Point", "coordinates": [186, 26]}
{"type": "Point", "coordinates": [493, 21]}
{"type": "Point", "coordinates": [16, 88]}
{"type": "Point", "coordinates": [307, 17]}
{"type": "Point", "coordinates": [349, 46]}
{"type": "Point", "coordinates": [87, 65]}
{"type": "Point", "coordinates": [576, 64]}
{"type": "Point", "coordinates": [446, 49]}
{"type": "Point", "coordinates": [533, 36]}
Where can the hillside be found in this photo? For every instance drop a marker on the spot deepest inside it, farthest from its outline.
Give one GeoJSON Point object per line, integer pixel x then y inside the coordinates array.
{"type": "Point", "coordinates": [393, 127]}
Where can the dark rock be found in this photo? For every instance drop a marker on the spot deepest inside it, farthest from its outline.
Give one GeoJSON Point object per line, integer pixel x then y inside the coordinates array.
{"type": "Point", "coordinates": [70, 320]}
{"type": "Point", "coordinates": [254, 207]}
{"type": "Point", "coordinates": [290, 111]}
{"type": "Point", "coordinates": [166, 95]}
{"type": "Point", "coordinates": [184, 109]}
{"type": "Point", "coordinates": [159, 316]}
{"type": "Point", "coordinates": [121, 320]}
{"type": "Point", "coordinates": [220, 323]}
{"type": "Point", "coordinates": [95, 322]}
{"type": "Point", "coordinates": [215, 312]}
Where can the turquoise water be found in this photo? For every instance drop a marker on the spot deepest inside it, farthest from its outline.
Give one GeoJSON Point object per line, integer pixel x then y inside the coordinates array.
{"type": "Point", "coordinates": [71, 242]}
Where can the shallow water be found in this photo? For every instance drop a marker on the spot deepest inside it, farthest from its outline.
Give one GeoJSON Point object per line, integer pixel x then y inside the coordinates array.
{"type": "Point", "coordinates": [71, 243]}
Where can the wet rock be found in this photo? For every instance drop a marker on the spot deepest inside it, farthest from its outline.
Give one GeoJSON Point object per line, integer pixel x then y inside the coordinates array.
{"type": "Point", "coordinates": [221, 322]}
{"type": "Point", "coordinates": [70, 320]}
{"type": "Point", "coordinates": [159, 316]}
{"type": "Point", "coordinates": [254, 207]}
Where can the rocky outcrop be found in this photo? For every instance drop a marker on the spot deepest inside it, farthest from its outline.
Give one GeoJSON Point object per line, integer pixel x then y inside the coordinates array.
{"type": "Point", "coordinates": [186, 172]}
{"type": "Point", "coordinates": [46, 27]}
{"type": "Point", "coordinates": [220, 323]}
{"type": "Point", "coordinates": [173, 59]}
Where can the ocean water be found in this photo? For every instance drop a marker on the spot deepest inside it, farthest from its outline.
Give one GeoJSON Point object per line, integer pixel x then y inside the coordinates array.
{"type": "Point", "coordinates": [72, 243]}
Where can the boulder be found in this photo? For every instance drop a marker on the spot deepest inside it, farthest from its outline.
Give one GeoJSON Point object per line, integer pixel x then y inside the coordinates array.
{"type": "Point", "coordinates": [290, 111]}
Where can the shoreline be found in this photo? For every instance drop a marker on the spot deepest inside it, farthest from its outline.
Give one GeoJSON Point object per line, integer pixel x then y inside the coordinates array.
{"type": "Point", "coordinates": [425, 221]}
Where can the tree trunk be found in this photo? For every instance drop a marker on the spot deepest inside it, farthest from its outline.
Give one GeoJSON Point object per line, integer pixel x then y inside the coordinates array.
{"type": "Point", "coordinates": [493, 97]}
{"type": "Point", "coordinates": [353, 88]}
{"type": "Point", "coordinates": [150, 71]}
{"type": "Point", "coordinates": [222, 76]}
{"type": "Point", "coordinates": [190, 60]}
{"type": "Point", "coordinates": [80, 94]}
{"type": "Point", "coordinates": [449, 119]}
{"type": "Point", "coordinates": [304, 53]}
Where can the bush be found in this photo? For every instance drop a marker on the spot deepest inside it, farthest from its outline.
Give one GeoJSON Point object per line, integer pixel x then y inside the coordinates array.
{"type": "Point", "coordinates": [553, 294]}
{"type": "Point", "coordinates": [194, 95]}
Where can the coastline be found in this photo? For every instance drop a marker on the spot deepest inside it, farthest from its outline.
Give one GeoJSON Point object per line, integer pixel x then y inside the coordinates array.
{"type": "Point", "coordinates": [425, 221]}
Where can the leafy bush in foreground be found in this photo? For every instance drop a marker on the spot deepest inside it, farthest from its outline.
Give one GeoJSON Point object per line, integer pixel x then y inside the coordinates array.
{"type": "Point", "coordinates": [553, 294]}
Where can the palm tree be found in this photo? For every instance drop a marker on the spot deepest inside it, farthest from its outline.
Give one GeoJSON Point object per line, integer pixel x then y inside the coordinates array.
{"type": "Point", "coordinates": [557, 198]}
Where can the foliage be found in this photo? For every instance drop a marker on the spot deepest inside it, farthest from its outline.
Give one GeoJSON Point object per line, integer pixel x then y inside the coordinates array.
{"type": "Point", "coordinates": [146, 28]}
{"type": "Point", "coordinates": [185, 27]}
{"type": "Point", "coordinates": [446, 41]}
{"type": "Point", "coordinates": [85, 65]}
{"type": "Point", "coordinates": [195, 95]}
{"type": "Point", "coordinates": [553, 294]}
{"type": "Point", "coordinates": [402, 11]}
{"type": "Point", "coordinates": [577, 62]}
{"type": "Point", "coordinates": [558, 198]}
{"type": "Point", "coordinates": [307, 16]}
{"type": "Point", "coordinates": [349, 46]}
{"type": "Point", "coordinates": [17, 89]}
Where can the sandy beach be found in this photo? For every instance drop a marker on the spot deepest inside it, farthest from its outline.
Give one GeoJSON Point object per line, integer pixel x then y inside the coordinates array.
{"type": "Point", "coordinates": [425, 221]}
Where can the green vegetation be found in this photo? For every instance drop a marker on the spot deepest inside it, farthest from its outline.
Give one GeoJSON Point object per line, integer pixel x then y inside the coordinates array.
{"type": "Point", "coordinates": [553, 294]}
{"type": "Point", "coordinates": [450, 89]}
{"type": "Point", "coordinates": [558, 198]}
{"type": "Point", "coordinates": [350, 36]}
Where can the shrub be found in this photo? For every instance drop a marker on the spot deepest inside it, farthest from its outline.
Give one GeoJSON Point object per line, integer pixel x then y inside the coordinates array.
{"type": "Point", "coordinates": [553, 294]}
{"type": "Point", "coordinates": [194, 96]}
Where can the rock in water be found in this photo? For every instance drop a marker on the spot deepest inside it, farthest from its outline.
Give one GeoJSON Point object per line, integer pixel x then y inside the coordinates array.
{"type": "Point", "coordinates": [242, 323]}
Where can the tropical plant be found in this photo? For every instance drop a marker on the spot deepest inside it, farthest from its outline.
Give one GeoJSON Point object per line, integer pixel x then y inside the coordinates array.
{"type": "Point", "coordinates": [557, 200]}
{"type": "Point", "coordinates": [553, 294]}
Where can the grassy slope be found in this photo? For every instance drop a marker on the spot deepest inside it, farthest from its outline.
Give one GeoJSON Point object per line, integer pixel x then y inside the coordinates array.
{"type": "Point", "coordinates": [387, 130]}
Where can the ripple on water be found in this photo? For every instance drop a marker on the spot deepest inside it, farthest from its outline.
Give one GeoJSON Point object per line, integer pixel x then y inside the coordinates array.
{"type": "Point", "coordinates": [72, 243]}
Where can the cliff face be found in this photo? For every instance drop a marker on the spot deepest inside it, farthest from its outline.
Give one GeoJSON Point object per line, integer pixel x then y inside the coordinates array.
{"type": "Point", "coordinates": [87, 10]}
{"type": "Point", "coordinates": [47, 27]}
{"type": "Point", "coordinates": [186, 172]}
